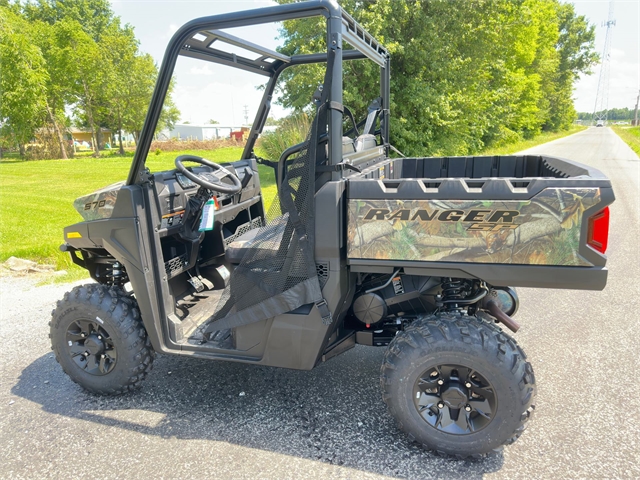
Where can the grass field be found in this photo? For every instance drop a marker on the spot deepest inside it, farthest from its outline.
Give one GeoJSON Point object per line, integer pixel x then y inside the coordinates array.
{"type": "Point", "coordinates": [631, 135]}
{"type": "Point", "coordinates": [36, 199]}
{"type": "Point", "coordinates": [525, 144]}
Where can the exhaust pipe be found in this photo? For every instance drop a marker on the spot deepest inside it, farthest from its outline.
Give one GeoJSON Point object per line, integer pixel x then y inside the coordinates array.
{"type": "Point", "coordinates": [494, 310]}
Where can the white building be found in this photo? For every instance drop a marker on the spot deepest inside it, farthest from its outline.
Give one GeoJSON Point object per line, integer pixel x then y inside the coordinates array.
{"type": "Point", "coordinates": [186, 131]}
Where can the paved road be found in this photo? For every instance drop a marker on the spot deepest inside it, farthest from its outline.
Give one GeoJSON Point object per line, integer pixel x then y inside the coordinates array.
{"type": "Point", "coordinates": [202, 419]}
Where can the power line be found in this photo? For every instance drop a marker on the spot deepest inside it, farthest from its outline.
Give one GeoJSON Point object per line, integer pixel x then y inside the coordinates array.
{"type": "Point", "coordinates": [602, 96]}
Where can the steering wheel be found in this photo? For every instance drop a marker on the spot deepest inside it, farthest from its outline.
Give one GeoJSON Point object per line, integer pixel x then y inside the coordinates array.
{"type": "Point", "coordinates": [204, 179]}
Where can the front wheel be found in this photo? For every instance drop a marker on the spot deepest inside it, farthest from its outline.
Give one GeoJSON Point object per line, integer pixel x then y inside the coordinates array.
{"type": "Point", "coordinates": [458, 385]}
{"type": "Point", "coordinates": [99, 340]}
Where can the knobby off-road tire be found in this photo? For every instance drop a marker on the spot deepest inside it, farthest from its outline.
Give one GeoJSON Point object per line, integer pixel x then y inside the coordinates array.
{"type": "Point", "coordinates": [420, 357]}
{"type": "Point", "coordinates": [99, 327]}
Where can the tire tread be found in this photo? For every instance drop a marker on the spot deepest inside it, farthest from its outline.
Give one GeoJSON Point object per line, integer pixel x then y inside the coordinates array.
{"type": "Point", "coordinates": [432, 331]}
{"type": "Point", "coordinates": [124, 314]}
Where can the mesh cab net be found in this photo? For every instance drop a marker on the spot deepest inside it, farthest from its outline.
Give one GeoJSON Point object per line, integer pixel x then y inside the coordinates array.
{"type": "Point", "coordinates": [277, 274]}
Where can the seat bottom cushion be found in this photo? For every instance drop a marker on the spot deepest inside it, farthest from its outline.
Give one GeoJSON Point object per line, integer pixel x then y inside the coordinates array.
{"type": "Point", "coordinates": [237, 249]}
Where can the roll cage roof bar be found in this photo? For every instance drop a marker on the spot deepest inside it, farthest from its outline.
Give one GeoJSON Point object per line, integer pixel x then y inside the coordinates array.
{"type": "Point", "coordinates": [203, 39]}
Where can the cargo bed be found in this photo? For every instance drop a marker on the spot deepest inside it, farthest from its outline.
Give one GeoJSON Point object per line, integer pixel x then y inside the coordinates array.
{"type": "Point", "coordinates": [509, 220]}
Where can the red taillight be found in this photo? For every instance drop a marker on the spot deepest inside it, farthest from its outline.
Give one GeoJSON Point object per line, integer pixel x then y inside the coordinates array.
{"type": "Point", "coordinates": [598, 233]}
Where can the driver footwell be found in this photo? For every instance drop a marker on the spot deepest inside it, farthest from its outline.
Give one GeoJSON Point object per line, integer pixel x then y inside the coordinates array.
{"type": "Point", "coordinates": [194, 310]}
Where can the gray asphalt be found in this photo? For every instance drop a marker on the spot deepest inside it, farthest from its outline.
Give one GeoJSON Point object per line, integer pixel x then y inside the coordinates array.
{"type": "Point", "coordinates": [196, 419]}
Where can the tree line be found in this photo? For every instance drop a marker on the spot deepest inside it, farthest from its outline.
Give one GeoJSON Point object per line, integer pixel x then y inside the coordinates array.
{"type": "Point", "coordinates": [612, 114]}
{"type": "Point", "coordinates": [67, 62]}
{"type": "Point", "coordinates": [464, 74]}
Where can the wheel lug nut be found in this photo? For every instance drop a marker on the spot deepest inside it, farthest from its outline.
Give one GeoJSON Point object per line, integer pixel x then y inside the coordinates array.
{"type": "Point", "coordinates": [440, 382]}
{"type": "Point", "coordinates": [82, 335]}
{"type": "Point", "coordinates": [468, 408]}
{"type": "Point", "coordinates": [440, 405]}
{"type": "Point", "coordinates": [468, 384]}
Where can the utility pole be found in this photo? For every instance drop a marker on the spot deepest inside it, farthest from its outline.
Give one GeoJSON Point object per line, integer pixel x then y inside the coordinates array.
{"type": "Point", "coordinates": [602, 97]}
{"type": "Point", "coordinates": [635, 116]}
{"type": "Point", "coordinates": [246, 114]}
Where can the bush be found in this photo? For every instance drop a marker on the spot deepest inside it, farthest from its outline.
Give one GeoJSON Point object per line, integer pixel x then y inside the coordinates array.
{"type": "Point", "coordinates": [175, 145]}
{"type": "Point", "coordinates": [293, 130]}
{"type": "Point", "coordinates": [47, 147]}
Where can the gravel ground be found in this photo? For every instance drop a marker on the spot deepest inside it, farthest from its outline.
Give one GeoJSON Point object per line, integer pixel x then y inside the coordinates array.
{"type": "Point", "coordinates": [196, 418]}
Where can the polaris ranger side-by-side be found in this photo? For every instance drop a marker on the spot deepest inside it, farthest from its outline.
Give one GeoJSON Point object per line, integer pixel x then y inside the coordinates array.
{"type": "Point", "coordinates": [417, 255]}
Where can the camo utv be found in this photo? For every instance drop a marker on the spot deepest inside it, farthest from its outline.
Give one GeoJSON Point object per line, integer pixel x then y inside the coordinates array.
{"type": "Point", "coordinates": [415, 255]}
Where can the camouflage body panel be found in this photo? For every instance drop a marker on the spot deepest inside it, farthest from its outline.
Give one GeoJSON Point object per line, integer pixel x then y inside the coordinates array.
{"type": "Point", "coordinates": [99, 204]}
{"type": "Point", "coordinates": [544, 230]}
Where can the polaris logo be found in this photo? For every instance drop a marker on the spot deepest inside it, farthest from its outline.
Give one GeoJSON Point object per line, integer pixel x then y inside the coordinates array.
{"type": "Point", "coordinates": [482, 220]}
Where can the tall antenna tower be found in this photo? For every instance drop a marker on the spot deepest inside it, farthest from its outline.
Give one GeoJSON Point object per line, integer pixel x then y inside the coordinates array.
{"type": "Point", "coordinates": [602, 97]}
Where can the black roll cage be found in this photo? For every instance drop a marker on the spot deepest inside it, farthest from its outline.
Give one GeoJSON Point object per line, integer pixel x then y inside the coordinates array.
{"type": "Point", "coordinates": [197, 38]}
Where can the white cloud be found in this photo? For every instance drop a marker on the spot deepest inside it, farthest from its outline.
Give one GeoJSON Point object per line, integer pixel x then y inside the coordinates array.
{"type": "Point", "coordinates": [206, 91]}
{"type": "Point", "coordinates": [617, 54]}
{"type": "Point", "coordinates": [221, 102]}
{"type": "Point", "coordinates": [203, 70]}
{"type": "Point", "coordinates": [624, 81]}
{"type": "Point", "coordinates": [218, 101]}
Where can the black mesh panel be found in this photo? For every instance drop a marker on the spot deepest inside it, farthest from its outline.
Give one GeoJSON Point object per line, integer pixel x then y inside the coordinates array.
{"type": "Point", "coordinates": [278, 273]}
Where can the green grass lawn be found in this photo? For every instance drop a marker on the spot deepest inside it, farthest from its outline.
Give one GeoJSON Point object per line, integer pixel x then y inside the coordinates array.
{"type": "Point", "coordinates": [36, 199]}
{"type": "Point", "coordinates": [631, 136]}
{"type": "Point", "coordinates": [525, 144]}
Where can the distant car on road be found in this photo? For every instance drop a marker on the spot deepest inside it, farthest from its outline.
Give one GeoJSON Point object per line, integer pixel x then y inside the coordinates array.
{"type": "Point", "coordinates": [599, 123]}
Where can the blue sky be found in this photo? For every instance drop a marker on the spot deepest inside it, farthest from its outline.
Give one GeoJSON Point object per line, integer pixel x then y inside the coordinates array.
{"type": "Point", "coordinates": [213, 92]}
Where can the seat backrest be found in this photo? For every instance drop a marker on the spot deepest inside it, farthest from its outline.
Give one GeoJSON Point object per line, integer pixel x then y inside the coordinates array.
{"type": "Point", "coordinates": [364, 142]}
{"type": "Point", "coordinates": [348, 146]}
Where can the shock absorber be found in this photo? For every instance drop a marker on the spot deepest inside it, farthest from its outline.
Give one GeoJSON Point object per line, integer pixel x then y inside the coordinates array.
{"type": "Point", "coordinates": [454, 292]}
{"type": "Point", "coordinates": [458, 294]}
{"type": "Point", "coordinates": [116, 274]}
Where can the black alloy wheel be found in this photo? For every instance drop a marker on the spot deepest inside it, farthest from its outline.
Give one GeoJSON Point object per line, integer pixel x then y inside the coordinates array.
{"type": "Point", "coordinates": [455, 399]}
{"type": "Point", "coordinates": [457, 384]}
{"type": "Point", "coordinates": [100, 341]}
{"type": "Point", "coordinates": [91, 347]}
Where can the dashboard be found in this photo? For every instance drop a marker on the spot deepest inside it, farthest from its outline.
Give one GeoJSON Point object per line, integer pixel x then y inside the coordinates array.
{"type": "Point", "coordinates": [173, 191]}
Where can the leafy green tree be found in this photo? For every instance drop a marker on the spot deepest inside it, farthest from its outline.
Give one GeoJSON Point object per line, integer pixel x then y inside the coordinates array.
{"type": "Point", "coordinates": [612, 114]}
{"type": "Point", "coordinates": [136, 92]}
{"type": "Point", "coordinates": [61, 55]}
{"type": "Point", "coordinates": [100, 56]}
{"type": "Point", "coordinates": [57, 85]}
{"type": "Point", "coordinates": [170, 114]}
{"type": "Point", "coordinates": [94, 16]}
{"type": "Point", "coordinates": [22, 82]}
{"type": "Point", "coordinates": [464, 74]}
{"type": "Point", "coordinates": [574, 54]}
{"type": "Point", "coordinates": [86, 73]}
{"type": "Point", "coordinates": [128, 81]}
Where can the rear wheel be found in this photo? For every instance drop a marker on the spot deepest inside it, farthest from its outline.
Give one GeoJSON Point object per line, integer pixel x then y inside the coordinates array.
{"type": "Point", "coordinates": [458, 385]}
{"type": "Point", "coordinates": [99, 340]}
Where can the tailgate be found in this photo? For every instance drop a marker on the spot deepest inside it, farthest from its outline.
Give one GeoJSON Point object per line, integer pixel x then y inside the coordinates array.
{"type": "Point", "coordinates": [511, 219]}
